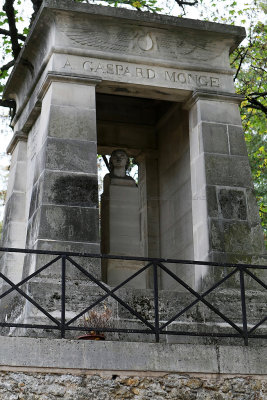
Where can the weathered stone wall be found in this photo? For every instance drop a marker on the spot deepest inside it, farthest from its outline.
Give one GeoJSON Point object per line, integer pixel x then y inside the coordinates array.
{"type": "Point", "coordinates": [77, 385]}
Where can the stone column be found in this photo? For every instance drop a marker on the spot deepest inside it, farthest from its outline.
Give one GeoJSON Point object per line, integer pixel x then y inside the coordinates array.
{"type": "Point", "coordinates": [63, 211]}
{"type": "Point", "coordinates": [226, 224]}
{"type": "Point", "coordinates": [14, 226]}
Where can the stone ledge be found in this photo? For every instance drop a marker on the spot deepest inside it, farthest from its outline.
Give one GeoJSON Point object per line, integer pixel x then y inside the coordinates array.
{"type": "Point", "coordinates": [131, 356]}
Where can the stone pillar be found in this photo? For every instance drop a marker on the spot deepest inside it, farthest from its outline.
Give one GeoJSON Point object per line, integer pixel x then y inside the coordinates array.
{"type": "Point", "coordinates": [226, 223]}
{"type": "Point", "coordinates": [14, 226]}
{"type": "Point", "coordinates": [63, 211]}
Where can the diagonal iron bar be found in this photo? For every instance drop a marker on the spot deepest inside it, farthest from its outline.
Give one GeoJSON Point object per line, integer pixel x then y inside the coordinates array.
{"type": "Point", "coordinates": [255, 278]}
{"type": "Point", "coordinates": [29, 277]}
{"type": "Point", "coordinates": [132, 311]}
{"type": "Point", "coordinates": [30, 299]}
{"type": "Point", "coordinates": [197, 295]}
{"type": "Point", "coordinates": [257, 325]}
{"type": "Point", "coordinates": [107, 295]}
{"type": "Point", "coordinates": [198, 300]}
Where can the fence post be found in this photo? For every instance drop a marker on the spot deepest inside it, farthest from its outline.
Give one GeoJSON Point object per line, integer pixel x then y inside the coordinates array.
{"type": "Point", "coordinates": [63, 292]}
{"type": "Point", "coordinates": [156, 301]}
{"type": "Point", "coordinates": [243, 303]}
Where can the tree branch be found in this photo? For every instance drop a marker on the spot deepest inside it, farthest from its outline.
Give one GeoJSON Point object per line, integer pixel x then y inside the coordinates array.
{"type": "Point", "coordinates": [182, 3]}
{"type": "Point", "coordinates": [106, 161]}
{"type": "Point", "coordinates": [258, 94]}
{"type": "Point", "coordinates": [10, 13]}
{"type": "Point", "coordinates": [8, 103]}
{"type": "Point", "coordinates": [7, 66]}
{"type": "Point", "coordinates": [7, 33]}
{"type": "Point", "coordinates": [254, 103]}
{"type": "Point", "coordinates": [240, 64]}
{"type": "Point", "coordinates": [36, 4]}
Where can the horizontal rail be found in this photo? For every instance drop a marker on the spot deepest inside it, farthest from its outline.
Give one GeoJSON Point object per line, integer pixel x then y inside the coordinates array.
{"type": "Point", "coordinates": [117, 257]}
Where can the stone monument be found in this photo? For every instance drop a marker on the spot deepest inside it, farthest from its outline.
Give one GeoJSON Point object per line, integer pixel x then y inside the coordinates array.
{"type": "Point", "coordinates": [159, 87]}
{"type": "Point", "coordinates": [91, 80]}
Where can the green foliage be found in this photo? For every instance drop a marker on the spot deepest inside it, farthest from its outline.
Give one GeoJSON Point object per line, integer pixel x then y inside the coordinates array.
{"type": "Point", "coordinates": [251, 82]}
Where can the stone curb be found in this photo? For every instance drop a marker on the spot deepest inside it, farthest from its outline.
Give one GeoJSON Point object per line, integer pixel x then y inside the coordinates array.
{"type": "Point", "coordinates": [131, 356]}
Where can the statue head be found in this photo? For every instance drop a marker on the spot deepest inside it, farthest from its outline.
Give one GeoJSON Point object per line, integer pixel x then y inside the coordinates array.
{"type": "Point", "coordinates": [119, 160]}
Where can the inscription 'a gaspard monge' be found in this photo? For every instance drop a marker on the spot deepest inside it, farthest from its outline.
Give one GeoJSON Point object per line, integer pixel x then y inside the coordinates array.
{"type": "Point", "coordinates": [121, 70]}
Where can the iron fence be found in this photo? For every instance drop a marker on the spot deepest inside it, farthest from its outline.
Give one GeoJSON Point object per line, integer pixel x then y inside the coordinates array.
{"type": "Point", "coordinates": [153, 326]}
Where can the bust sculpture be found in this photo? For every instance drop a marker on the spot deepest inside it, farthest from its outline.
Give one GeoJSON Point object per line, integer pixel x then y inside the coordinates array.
{"type": "Point", "coordinates": [119, 163]}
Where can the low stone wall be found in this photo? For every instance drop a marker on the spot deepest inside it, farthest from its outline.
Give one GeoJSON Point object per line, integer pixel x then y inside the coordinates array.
{"type": "Point", "coordinates": [38, 385]}
{"type": "Point", "coordinates": [50, 369]}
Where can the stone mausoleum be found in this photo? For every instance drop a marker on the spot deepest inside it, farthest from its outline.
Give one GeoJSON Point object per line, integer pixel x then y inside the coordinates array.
{"type": "Point", "coordinates": [94, 80]}
{"type": "Point", "coordinates": [91, 80]}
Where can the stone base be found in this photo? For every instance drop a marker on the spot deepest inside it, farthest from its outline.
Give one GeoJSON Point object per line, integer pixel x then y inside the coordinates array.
{"type": "Point", "coordinates": [130, 357]}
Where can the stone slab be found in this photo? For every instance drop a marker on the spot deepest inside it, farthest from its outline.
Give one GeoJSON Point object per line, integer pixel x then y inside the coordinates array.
{"type": "Point", "coordinates": [114, 356]}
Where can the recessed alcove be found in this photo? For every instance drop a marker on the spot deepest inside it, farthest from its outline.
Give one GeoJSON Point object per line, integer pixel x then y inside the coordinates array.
{"type": "Point", "coordinates": [156, 134]}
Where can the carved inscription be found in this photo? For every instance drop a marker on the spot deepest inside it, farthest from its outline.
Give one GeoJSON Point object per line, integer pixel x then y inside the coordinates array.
{"type": "Point", "coordinates": [169, 76]}
{"type": "Point", "coordinates": [188, 78]}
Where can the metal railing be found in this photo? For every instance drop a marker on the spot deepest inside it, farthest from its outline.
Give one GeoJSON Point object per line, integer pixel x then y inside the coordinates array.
{"type": "Point", "coordinates": [153, 325]}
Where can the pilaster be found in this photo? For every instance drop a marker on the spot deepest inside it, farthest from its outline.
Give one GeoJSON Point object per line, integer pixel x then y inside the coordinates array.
{"type": "Point", "coordinates": [226, 222]}
{"type": "Point", "coordinates": [63, 210]}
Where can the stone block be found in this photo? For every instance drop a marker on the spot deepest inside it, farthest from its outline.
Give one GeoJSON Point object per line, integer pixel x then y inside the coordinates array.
{"type": "Point", "coordinates": [216, 237]}
{"type": "Point", "coordinates": [253, 209]}
{"type": "Point", "coordinates": [71, 155]}
{"type": "Point", "coordinates": [120, 270]}
{"type": "Point", "coordinates": [33, 228]}
{"type": "Point", "coordinates": [17, 178]}
{"type": "Point", "coordinates": [219, 112]}
{"type": "Point", "coordinates": [212, 203]}
{"type": "Point", "coordinates": [70, 122]}
{"type": "Point", "coordinates": [12, 266]}
{"type": "Point", "coordinates": [15, 208]}
{"type": "Point", "coordinates": [239, 237]}
{"type": "Point", "coordinates": [38, 164]}
{"type": "Point", "coordinates": [92, 265]}
{"type": "Point", "coordinates": [37, 192]}
{"type": "Point", "coordinates": [237, 141]}
{"type": "Point", "coordinates": [214, 138]}
{"type": "Point", "coordinates": [72, 94]}
{"type": "Point", "coordinates": [79, 224]}
{"type": "Point", "coordinates": [19, 152]}
{"type": "Point", "coordinates": [15, 232]}
{"type": "Point", "coordinates": [70, 189]}
{"type": "Point", "coordinates": [232, 204]}
{"type": "Point", "coordinates": [228, 171]}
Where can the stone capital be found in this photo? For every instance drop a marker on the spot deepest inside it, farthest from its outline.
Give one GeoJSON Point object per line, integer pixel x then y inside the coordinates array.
{"type": "Point", "coordinates": [66, 77]}
{"type": "Point", "coordinates": [18, 135]}
{"type": "Point", "coordinates": [213, 95]}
